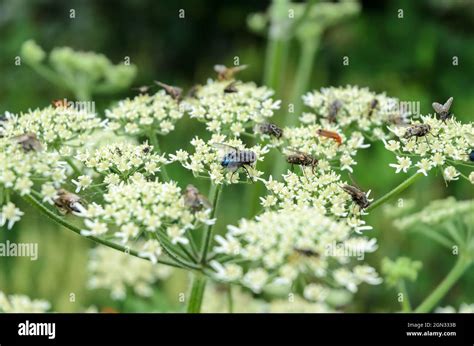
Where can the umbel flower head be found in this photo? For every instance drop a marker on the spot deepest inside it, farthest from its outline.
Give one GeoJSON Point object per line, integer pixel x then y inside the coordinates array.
{"type": "Point", "coordinates": [279, 247]}
{"type": "Point", "coordinates": [144, 209]}
{"type": "Point", "coordinates": [323, 192]}
{"type": "Point", "coordinates": [210, 158]}
{"type": "Point", "coordinates": [115, 271]}
{"type": "Point", "coordinates": [60, 128]}
{"type": "Point", "coordinates": [315, 141]}
{"type": "Point", "coordinates": [352, 107]}
{"type": "Point", "coordinates": [439, 144]}
{"type": "Point", "coordinates": [122, 159]}
{"type": "Point", "coordinates": [145, 114]}
{"type": "Point", "coordinates": [23, 163]}
{"type": "Point", "coordinates": [235, 112]}
{"type": "Point", "coordinates": [17, 303]}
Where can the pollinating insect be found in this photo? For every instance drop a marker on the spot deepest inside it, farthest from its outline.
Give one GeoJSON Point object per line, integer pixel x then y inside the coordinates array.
{"type": "Point", "coordinates": [306, 252]}
{"type": "Point", "coordinates": [194, 200]}
{"type": "Point", "coordinates": [471, 155]}
{"type": "Point", "coordinates": [330, 134]}
{"type": "Point", "coordinates": [227, 73]}
{"type": "Point", "coordinates": [230, 88]}
{"type": "Point", "coordinates": [68, 202]}
{"type": "Point", "coordinates": [443, 110]}
{"type": "Point", "coordinates": [417, 130]}
{"type": "Point", "coordinates": [269, 129]}
{"type": "Point", "coordinates": [334, 109]}
{"type": "Point", "coordinates": [29, 142]}
{"type": "Point", "coordinates": [173, 91]}
{"type": "Point", "coordinates": [60, 103]}
{"type": "Point", "coordinates": [301, 159]}
{"type": "Point", "coordinates": [359, 197]}
{"type": "Point", "coordinates": [373, 105]}
{"type": "Point", "coordinates": [234, 158]}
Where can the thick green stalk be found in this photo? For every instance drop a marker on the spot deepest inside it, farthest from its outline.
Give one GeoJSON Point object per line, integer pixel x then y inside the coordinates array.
{"type": "Point", "coordinates": [197, 293]}
{"type": "Point", "coordinates": [214, 195]}
{"type": "Point", "coordinates": [43, 209]}
{"type": "Point", "coordinates": [399, 189]}
{"type": "Point", "coordinates": [462, 263]}
{"type": "Point", "coordinates": [277, 47]}
{"type": "Point", "coordinates": [309, 48]}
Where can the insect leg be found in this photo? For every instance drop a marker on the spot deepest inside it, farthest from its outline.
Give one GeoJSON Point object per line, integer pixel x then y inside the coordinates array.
{"type": "Point", "coordinates": [248, 174]}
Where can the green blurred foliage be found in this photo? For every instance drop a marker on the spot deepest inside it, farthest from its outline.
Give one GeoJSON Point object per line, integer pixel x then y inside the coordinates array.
{"type": "Point", "coordinates": [409, 58]}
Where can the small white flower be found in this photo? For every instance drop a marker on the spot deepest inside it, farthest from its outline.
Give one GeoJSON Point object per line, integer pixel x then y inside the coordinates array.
{"type": "Point", "coordinates": [9, 215]}
{"type": "Point", "coordinates": [404, 163]}
{"type": "Point", "coordinates": [450, 173]}
{"type": "Point", "coordinates": [82, 182]}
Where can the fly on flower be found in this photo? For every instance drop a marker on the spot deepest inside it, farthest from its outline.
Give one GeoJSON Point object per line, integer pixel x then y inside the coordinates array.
{"type": "Point", "coordinates": [192, 92]}
{"type": "Point", "coordinates": [194, 200]}
{"type": "Point", "coordinates": [417, 130]}
{"type": "Point", "coordinates": [68, 202]}
{"type": "Point", "coordinates": [334, 109]}
{"type": "Point", "coordinates": [302, 159]}
{"type": "Point", "coordinates": [330, 134]}
{"type": "Point", "coordinates": [373, 105]}
{"type": "Point", "coordinates": [230, 88]}
{"type": "Point", "coordinates": [443, 110]}
{"type": "Point", "coordinates": [234, 158]}
{"type": "Point", "coordinates": [359, 197]}
{"type": "Point", "coordinates": [269, 129]}
{"type": "Point", "coordinates": [60, 103]}
{"type": "Point", "coordinates": [29, 142]}
{"type": "Point", "coordinates": [227, 73]}
{"type": "Point", "coordinates": [173, 91]}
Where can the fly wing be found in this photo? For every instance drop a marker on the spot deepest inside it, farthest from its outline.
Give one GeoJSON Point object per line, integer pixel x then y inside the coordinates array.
{"type": "Point", "coordinates": [224, 148]}
{"type": "Point", "coordinates": [448, 104]}
{"type": "Point", "coordinates": [438, 107]}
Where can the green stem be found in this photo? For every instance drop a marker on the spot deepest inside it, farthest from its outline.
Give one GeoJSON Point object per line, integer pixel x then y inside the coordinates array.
{"type": "Point", "coordinates": [406, 306]}
{"type": "Point", "coordinates": [277, 48]}
{"type": "Point", "coordinates": [462, 263]}
{"type": "Point", "coordinates": [399, 189]}
{"type": "Point", "coordinates": [214, 195]}
{"type": "Point", "coordinates": [43, 209]}
{"type": "Point", "coordinates": [303, 76]}
{"type": "Point", "coordinates": [197, 293]}
{"type": "Point", "coordinates": [156, 146]}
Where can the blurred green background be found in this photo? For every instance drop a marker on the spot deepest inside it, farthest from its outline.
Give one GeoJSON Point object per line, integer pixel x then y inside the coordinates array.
{"type": "Point", "coordinates": [409, 58]}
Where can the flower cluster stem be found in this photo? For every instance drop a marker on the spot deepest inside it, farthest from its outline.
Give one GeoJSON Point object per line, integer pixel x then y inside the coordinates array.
{"type": "Point", "coordinates": [214, 195]}
{"type": "Point", "coordinates": [197, 293]}
{"type": "Point", "coordinates": [462, 264]}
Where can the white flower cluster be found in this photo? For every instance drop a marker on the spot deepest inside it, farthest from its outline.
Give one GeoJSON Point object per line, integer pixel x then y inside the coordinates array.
{"type": "Point", "coordinates": [232, 113]}
{"type": "Point", "coordinates": [140, 207]}
{"type": "Point", "coordinates": [279, 247]}
{"type": "Point", "coordinates": [446, 144]}
{"type": "Point", "coordinates": [208, 157]}
{"type": "Point", "coordinates": [115, 271]}
{"type": "Point", "coordinates": [17, 303]}
{"type": "Point", "coordinates": [21, 169]}
{"type": "Point", "coordinates": [323, 192]}
{"type": "Point", "coordinates": [122, 159]}
{"type": "Point", "coordinates": [145, 113]}
{"type": "Point", "coordinates": [328, 151]}
{"type": "Point", "coordinates": [436, 212]}
{"type": "Point", "coordinates": [59, 128]}
{"type": "Point", "coordinates": [352, 107]}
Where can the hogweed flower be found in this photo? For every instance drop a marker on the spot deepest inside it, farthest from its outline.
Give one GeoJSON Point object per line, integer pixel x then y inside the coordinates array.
{"type": "Point", "coordinates": [208, 159]}
{"type": "Point", "coordinates": [116, 272]}
{"type": "Point", "coordinates": [122, 159]}
{"type": "Point", "coordinates": [352, 107]}
{"type": "Point", "coordinates": [446, 146]}
{"type": "Point", "coordinates": [145, 114]}
{"type": "Point", "coordinates": [278, 247]}
{"type": "Point", "coordinates": [141, 208]}
{"type": "Point", "coordinates": [232, 113]}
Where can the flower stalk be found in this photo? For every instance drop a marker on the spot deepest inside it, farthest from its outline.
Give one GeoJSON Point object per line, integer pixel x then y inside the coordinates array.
{"type": "Point", "coordinates": [197, 293]}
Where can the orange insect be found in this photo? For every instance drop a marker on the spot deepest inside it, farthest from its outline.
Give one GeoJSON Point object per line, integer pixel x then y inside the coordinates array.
{"type": "Point", "coordinates": [60, 103]}
{"type": "Point", "coordinates": [330, 134]}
